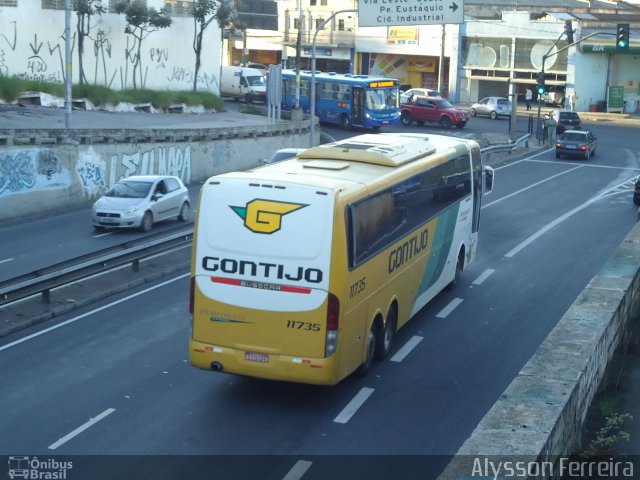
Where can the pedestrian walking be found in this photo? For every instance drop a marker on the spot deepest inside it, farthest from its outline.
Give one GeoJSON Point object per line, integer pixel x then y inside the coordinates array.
{"type": "Point", "coordinates": [573, 98]}
{"type": "Point", "coordinates": [545, 134]}
{"type": "Point", "coordinates": [528, 96]}
{"type": "Point", "coordinates": [552, 126]}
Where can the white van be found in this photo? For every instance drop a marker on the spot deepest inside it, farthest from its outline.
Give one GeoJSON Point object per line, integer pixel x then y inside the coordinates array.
{"type": "Point", "coordinates": [243, 82]}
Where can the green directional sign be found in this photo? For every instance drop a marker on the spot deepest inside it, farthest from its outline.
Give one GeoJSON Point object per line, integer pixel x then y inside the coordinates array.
{"type": "Point", "coordinates": [380, 13]}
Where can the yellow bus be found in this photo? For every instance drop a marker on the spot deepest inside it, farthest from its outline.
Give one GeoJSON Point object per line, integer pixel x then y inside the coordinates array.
{"type": "Point", "coordinates": [303, 270]}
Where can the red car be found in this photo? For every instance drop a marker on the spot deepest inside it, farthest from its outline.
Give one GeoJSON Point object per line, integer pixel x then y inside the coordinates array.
{"type": "Point", "coordinates": [432, 109]}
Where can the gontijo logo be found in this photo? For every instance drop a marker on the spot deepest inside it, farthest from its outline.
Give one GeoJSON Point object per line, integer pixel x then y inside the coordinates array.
{"type": "Point", "coordinates": [265, 216]}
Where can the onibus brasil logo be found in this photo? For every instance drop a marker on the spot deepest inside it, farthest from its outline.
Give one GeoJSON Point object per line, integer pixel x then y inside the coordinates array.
{"type": "Point", "coordinates": [40, 469]}
{"type": "Point", "coordinates": [265, 216]}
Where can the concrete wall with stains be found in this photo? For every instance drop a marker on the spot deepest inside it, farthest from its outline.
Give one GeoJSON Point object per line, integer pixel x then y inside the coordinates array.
{"type": "Point", "coordinates": [32, 46]}
{"type": "Point", "coordinates": [38, 179]}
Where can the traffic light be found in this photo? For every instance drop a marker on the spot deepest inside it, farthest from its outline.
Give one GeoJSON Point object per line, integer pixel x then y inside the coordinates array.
{"type": "Point", "coordinates": [568, 29]}
{"type": "Point", "coordinates": [622, 36]}
{"type": "Point", "coordinates": [541, 87]}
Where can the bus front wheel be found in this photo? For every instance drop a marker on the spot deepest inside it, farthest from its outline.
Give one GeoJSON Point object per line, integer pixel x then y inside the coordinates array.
{"type": "Point", "coordinates": [459, 268]}
{"type": "Point", "coordinates": [345, 122]}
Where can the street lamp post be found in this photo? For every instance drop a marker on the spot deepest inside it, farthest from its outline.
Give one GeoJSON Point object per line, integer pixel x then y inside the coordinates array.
{"type": "Point", "coordinates": [312, 93]}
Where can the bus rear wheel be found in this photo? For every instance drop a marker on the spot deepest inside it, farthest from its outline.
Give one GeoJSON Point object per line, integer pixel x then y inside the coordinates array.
{"type": "Point", "coordinates": [371, 351]}
{"type": "Point", "coordinates": [387, 334]}
{"type": "Point", "coordinates": [345, 122]}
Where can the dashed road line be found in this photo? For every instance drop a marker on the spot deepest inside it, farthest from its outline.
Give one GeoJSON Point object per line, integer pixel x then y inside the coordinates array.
{"type": "Point", "coordinates": [352, 407]}
{"type": "Point", "coordinates": [298, 470]}
{"type": "Point", "coordinates": [406, 349]}
{"type": "Point", "coordinates": [483, 276]}
{"type": "Point", "coordinates": [81, 428]}
{"type": "Point", "coordinates": [444, 313]}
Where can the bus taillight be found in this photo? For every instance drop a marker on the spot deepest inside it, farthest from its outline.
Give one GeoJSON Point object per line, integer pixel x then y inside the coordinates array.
{"type": "Point", "coordinates": [333, 320]}
{"type": "Point", "coordinates": [192, 289]}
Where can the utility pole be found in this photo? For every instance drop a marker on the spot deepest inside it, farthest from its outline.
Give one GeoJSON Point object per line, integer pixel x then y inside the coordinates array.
{"type": "Point", "coordinates": [312, 93]}
{"type": "Point", "coordinates": [298, 46]}
{"type": "Point", "coordinates": [441, 61]}
{"type": "Point", "coordinates": [67, 53]}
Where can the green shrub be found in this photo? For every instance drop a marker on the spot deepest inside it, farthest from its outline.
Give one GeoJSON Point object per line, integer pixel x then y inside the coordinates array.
{"type": "Point", "coordinates": [12, 87]}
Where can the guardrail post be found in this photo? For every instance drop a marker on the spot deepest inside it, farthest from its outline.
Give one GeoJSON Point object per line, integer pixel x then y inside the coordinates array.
{"type": "Point", "coordinates": [46, 296]}
{"type": "Point", "coordinates": [135, 265]}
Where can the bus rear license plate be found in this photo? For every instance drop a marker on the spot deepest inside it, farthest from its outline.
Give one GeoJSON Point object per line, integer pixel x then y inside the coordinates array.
{"type": "Point", "coordinates": [256, 357]}
{"type": "Point", "coordinates": [384, 122]}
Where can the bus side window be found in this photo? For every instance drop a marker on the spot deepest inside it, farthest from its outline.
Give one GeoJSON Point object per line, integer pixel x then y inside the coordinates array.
{"type": "Point", "coordinates": [373, 220]}
{"type": "Point", "coordinates": [344, 93]}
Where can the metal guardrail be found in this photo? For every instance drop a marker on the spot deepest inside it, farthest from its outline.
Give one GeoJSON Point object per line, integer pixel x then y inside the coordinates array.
{"type": "Point", "coordinates": [506, 147]}
{"type": "Point", "coordinates": [44, 280]}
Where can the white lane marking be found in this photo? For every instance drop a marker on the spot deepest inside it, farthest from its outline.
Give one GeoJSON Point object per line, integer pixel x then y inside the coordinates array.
{"type": "Point", "coordinates": [352, 407]}
{"type": "Point", "coordinates": [298, 470]}
{"type": "Point", "coordinates": [588, 165]}
{"type": "Point", "coordinates": [81, 428]}
{"type": "Point", "coordinates": [406, 349]}
{"type": "Point", "coordinates": [103, 234]}
{"type": "Point", "coordinates": [483, 276]}
{"type": "Point", "coordinates": [444, 313]}
{"type": "Point", "coordinates": [96, 310]}
{"type": "Point", "coordinates": [6, 260]}
{"type": "Point", "coordinates": [559, 220]}
{"type": "Point", "coordinates": [517, 192]}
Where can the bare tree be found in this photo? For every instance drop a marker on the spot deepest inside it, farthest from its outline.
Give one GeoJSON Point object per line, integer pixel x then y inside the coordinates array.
{"type": "Point", "coordinates": [85, 9]}
{"type": "Point", "coordinates": [204, 12]}
{"type": "Point", "coordinates": [142, 21]}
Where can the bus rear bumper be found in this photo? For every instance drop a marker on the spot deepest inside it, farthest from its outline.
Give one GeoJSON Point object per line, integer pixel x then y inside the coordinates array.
{"type": "Point", "coordinates": [317, 371]}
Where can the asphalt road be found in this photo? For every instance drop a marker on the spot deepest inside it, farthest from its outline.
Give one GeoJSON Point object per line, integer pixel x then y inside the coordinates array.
{"type": "Point", "coordinates": [546, 230]}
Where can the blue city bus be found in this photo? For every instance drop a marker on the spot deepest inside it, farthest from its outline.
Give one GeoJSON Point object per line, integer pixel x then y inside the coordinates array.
{"type": "Point", "coordinates": [345, 99]}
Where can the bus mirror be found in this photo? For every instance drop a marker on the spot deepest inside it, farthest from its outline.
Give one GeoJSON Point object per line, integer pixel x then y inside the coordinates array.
{"type": "Point", "coordinates": [488, 180]}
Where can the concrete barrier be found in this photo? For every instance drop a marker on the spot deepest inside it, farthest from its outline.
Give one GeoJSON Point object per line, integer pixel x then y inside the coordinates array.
{"type": "Point", "coordinates": [539, 417]}
{"type": "Point", "coordinates": [45, 170]}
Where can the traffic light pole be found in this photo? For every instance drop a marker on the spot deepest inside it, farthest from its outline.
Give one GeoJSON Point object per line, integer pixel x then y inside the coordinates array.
{"type": "Point", "coordinates": [544, 59]}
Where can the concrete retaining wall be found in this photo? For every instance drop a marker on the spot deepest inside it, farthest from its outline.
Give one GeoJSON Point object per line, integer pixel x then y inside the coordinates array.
{"type": "Point", "coordinates": [540, 415]}
{"type": "Point", "coordinates": [45, 170]}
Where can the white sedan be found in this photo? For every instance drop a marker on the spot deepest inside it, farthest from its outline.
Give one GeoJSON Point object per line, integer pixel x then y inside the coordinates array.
{"type": "Point", "coordinates": [405, 97]}
{"type": "Point", "coordinates": [141, 200]}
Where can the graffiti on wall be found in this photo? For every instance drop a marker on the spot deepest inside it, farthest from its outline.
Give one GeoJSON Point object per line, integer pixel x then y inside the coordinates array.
{"type": "Point", "coordinates": [97, 175]}
{"type": "Point", "coordinates": [165, 160]}
{"type": "Point", "coordinates": [29, 170]}
{"type": "Point", "coordinates": [91, 172]}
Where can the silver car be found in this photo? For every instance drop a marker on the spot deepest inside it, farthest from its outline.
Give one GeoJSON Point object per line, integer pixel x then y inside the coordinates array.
{"type": "Point", "coordinates": [141, 200]}
{"type": "Point", "coordinates": [493, 107]}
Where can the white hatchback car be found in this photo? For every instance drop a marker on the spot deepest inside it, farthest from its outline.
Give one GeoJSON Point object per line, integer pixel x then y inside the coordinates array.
{"type": "Point", "coordinates": [141, 200]}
